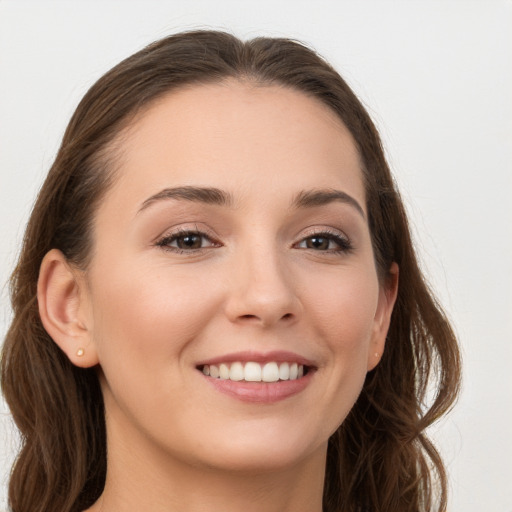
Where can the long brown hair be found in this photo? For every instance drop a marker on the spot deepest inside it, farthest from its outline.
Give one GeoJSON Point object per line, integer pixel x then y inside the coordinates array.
{"type": "Point", "coordinates": [380, 459]}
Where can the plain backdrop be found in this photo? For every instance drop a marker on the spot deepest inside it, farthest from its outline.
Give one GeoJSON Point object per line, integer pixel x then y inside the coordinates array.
{"type": "Point", "coordinates": [436, 76]}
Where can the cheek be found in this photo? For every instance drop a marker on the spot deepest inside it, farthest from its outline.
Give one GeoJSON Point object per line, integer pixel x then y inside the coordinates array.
{"type": "Point", "coordinates": [342, 310]}
{"type": "Point", "coordinates": [148, 312]}
{"type": "Point", "coordinates": [145, 322]}
{"type": "Point", "coordinates": [343, 306]}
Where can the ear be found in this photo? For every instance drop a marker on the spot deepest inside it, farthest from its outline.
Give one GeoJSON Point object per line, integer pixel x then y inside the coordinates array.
{"type": "Point", "coordinates": [63, 309]}
{"type": "Point", "coordinates": [387, 297]}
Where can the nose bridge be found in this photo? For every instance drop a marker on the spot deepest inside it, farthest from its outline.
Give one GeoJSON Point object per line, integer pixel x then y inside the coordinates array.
{"type": "Point", "coordinates": [262, 288]}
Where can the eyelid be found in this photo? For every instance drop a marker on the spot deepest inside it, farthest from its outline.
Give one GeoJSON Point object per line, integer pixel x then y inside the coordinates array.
{"type": "Point", "coordinates": [187, 227]}
{"type": "Point", "coordinates": [341, 238]}
{"type": "Point", "coordinates": [173, 234]}
{"type": "Point", "coordinates": [336, 235]}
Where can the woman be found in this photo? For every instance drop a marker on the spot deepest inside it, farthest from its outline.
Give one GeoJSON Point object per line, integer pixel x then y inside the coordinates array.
{"type": "Point", "coordinates": [217, 305]}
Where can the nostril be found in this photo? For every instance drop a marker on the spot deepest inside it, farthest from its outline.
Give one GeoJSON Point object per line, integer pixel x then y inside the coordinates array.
{"type": "Point", "coordinates": [287, 316]}
{"type": "Point", "coordinates": [248, 317]}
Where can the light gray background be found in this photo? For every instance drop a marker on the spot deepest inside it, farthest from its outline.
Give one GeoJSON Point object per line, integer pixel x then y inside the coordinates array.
{"type": "Point", "coordinates": [436, 77]}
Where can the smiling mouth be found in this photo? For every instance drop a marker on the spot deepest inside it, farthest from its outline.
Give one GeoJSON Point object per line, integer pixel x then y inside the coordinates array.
{"type": "Point", "coordinates": [255, 372]}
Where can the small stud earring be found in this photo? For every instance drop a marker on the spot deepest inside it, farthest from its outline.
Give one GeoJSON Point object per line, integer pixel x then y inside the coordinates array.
{"type": "Point", "coordinates": [80, 352]}
{"type": "Point", "coordinates": [377, 355]}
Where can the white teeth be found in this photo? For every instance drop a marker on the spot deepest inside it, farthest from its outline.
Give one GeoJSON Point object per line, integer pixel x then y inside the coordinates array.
{"type": "Point", "coordinates": [270, 373]}
{"type": "Point", "coordinates": [236, 372]}
{"type": "Point", "coordinates": [224, 371]}
{"type": "Point", "coordinates": [284, 371]}
{"type": "Point", "coordinates": [254, 372]}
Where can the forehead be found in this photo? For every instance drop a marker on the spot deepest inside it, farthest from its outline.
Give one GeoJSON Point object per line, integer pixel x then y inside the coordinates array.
{"type": "Point", "coordinates": [238, 136]}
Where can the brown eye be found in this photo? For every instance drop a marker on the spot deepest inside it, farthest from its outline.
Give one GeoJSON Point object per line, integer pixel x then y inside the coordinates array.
{"type": "Point", "coordinates": [186, 241]}
{"type": "Point", "coordinates": [318, 242]}
{"type": "Point", "coordinates": [331, 243]}
{"type": "Point", "coordinates": [189, 241]}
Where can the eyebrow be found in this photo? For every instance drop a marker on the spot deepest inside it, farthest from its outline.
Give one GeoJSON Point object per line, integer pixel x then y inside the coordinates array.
{"type": "Point", "coordinates": [320, 197]}
{"type": "Point", "coordinates": [216, 196]}
{"type": "Point", "coordinates": [208, 195]}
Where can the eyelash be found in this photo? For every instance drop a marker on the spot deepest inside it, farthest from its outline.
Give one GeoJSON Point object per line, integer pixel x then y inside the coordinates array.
{"type": "Point", "coordinates": [342, 241]}
{"type": "Point", "coordinates": [165, 242]}
{"type": "Point", "coordinates": [344, 244]}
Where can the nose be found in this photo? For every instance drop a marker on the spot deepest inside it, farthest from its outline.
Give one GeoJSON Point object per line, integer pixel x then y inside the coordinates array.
{"type": "Point", "coordinates": [262, 290]}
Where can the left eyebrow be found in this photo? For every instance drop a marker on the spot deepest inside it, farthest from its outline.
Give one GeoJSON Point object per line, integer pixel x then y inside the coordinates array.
{"type": "Point", "coordinates": [320, 197]}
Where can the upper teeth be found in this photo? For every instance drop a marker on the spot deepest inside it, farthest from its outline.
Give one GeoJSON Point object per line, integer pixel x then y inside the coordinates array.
{"type": "Point", "coordinates": [255, 372]}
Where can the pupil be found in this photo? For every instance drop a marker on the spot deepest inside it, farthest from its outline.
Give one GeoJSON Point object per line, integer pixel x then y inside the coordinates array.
{"type": "Point", "coordinates": [318, 243]}
{"type": "Point", "coordinates": [189, 242]}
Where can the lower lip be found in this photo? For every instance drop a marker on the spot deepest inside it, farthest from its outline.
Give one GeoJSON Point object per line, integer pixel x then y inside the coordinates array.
{"type": "Point", "coordinates": [261, 392]}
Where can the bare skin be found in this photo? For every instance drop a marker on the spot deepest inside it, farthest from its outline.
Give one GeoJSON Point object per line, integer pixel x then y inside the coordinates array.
{"type": "Point", "coordinates": [236, 230]}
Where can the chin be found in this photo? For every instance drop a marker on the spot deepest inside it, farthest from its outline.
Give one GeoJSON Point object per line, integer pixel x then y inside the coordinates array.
{"type": "Point", "coordinates": [254, 462]}
{"type": "Point", "coordinates": [262, 453]}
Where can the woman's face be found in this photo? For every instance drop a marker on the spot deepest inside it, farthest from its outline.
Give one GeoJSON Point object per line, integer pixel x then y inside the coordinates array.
{"type": "Point", "coordinates": [234, 241]}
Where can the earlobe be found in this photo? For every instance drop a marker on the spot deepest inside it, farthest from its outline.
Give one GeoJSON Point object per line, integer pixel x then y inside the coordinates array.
{"type": "Point", "coordinates": [387, 298]}
{"type": "Point", "coordinates": [60, 291]}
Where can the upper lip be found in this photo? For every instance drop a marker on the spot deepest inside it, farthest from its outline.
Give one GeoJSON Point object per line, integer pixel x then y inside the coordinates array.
{"type": "Point", "coordinates": [278, 356]}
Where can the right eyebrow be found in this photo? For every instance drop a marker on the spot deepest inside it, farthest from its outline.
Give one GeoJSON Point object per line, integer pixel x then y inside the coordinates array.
{"type": "Point", "coordinates": [208, 195]}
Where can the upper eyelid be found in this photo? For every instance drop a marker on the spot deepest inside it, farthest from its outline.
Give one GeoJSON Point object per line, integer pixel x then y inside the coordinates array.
{"type": "Point", "coordinates": [344, 242]}
{"type": "Point", "coordinates": [164, 244]}
{"type": "Point", "coordinates": [164, 241]}
{"type": "Point", "coordinates": [328, 231]}
{"type": "Point", "coordinates": [339, 239]}
{"type": "Point", "coordinates": [180, 230]}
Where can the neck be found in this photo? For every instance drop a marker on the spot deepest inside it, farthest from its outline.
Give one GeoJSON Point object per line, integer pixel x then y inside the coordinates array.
{"type": "Point", "coordinates": [145, 478]}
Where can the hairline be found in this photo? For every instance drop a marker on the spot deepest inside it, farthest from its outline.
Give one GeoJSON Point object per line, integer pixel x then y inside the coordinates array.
{"type": "Point", "coordinates": [110, 157]}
